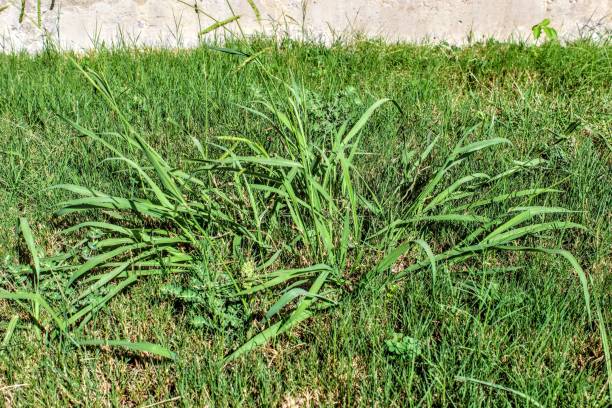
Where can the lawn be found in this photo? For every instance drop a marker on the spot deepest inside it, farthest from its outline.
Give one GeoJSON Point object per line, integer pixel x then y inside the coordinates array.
{"type": "Point", "coordinates": [380, 245]}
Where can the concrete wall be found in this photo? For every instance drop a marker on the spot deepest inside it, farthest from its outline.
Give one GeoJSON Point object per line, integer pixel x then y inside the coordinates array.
{"type": "Point", "coordinates": [79, 24]}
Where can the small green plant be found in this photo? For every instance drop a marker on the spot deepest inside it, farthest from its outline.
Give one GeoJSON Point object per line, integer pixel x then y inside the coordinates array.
{"type": "Point", "coordinates": [544, 27]}
{"type": "Point", "coordinates": [403, 347]}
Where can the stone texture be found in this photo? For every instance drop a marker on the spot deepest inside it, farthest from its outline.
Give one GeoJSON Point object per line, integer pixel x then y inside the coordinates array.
{"type": "Point", "coordinates": [81, 24]}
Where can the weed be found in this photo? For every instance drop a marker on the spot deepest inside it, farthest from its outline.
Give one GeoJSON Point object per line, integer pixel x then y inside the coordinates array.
{"type": "Point", "coordinates": [544, 27]}
{"type": "Point", "coordinates": [403, 347]}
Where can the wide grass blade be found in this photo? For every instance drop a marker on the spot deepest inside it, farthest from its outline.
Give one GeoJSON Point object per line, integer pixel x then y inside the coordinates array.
{"type": "Point", "coordinates": [288, 297]}
{"type": "Point", "coordinates": [28, 237]}
{"type": "Point", "coordinates": [10, 329]}
{"type": "Point", "coordinates": [530, 400]}
{"type": "Point", "coordinates": [573, 262]}
{"type": "Point", "coordinates": [37, 299]}
{"type": "Point", "coordinates": [603, 332]}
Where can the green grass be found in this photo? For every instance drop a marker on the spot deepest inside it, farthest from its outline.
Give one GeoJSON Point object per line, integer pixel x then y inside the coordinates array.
{"type": "Point", "coordinates": [499, 329]}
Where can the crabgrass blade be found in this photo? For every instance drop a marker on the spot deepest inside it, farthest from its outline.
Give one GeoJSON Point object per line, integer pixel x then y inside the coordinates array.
{"type": "Point", "coordinates": [395, 254]}
{"type": "Point", "coordinates": [364, 119]}
{"type": "Point", "coordinates": [256, 147]}
{"type": "Point", "coordinates": [532, 192]}
{"type": "Point", "coordinates": [430, 256]}
{"type": "Point", "coordinates": [573, 262]}
{"type": "Point", "coordinates": [99, 225]}
{"type": "Point", "coordinates": [518, 167]}
{"type": "Point", "coordinates": [601, 323]}
{"type": "Point", "coordinates": [525, 215]}
{"type": "Point", "coordinates": [480, 145]}
{"type": "Point", "coordinates": [154, 187]}
{"type": "Point", "coordinates": [92, 308]}
{"type": "Point", "coordinates": [160, 166]}
{"type": "Point", "coordinates": [142, 272]}
{"type": "Point", "coordinates": [300, 313]}
{"type": "Point", "coordinates": [392, 257]}
{"type": "Point", "coordinates": [28, 237]}
{"type": "Point", "coordinates": [10, 329]}
{"type": "Point", "coordinates": [252, 58]}
{"type": "Point", "coordinates": [230, 51]}
{"type": "Point", "coordinates": [34, 297]}
{"type": "Point", "coordinates": [106, 278]}
{"type": "Point", "coordinates": [501, 387]}
{"type": "Point", "coordinates": [287, 298]}
{"type": "Point", "coordinates": [281, 276]}
{"type": "Point", "coordinates": [26, 232]}
{"type": "Point", "coordinates": [113, 203]}
{"type": "Point", "coordinates": [444, 195]}
{"type": "Point", "coordinates": [264, 161]}
{"type": "Point", "coordinates": [452, 218]}
{"type": "Point", "coordinates": [102, 258]}
{"type": "Point", "coordinates": [512, 235]}
{"type": "Point", "coordinates": [460, 218]}
{"type": "Point", "coordinates": [141, 347]}
{"type": "Point", "coordinates": [258, 340]}
{"type": "Point", "coordinates": [82, 191]}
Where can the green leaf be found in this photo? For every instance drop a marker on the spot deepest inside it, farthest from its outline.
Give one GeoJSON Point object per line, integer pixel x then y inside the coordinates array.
{"type": "Point", "coordinates": [288, 297]}
{"type": "Point", "coordinates": [502, 388]}
{"type": "Point", "coordinates": [24, 226]}
{"type": "Point", "coordinates": [10, 329]}
{"type": "Point", "coordinates": [230, 51]}
{"type": "Point", "coordinates": [258, 340]}
{"type": "Point", "coordinates": [525, 214]}
{"type": "Point", "coordinates": [550, 32]}
{"type": "Point", "coordinates": [35, 297]}
{"type": "Point", "coordinates": [264, 161]}
{"type": "Point", "coordinates": [480, 145]}
{"type": "Point", "coordinates": [572, 260]}
{"type": "Point", "coordinates": [364, 119]}
{"type": "Point", "coordinates": [606, 346]}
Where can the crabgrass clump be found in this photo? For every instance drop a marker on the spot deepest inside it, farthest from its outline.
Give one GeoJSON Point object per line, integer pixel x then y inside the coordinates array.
{"type": "Point", "coordinates": [301, 198]}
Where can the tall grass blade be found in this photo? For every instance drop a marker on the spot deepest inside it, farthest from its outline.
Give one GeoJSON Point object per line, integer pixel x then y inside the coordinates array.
{"type": "Point", "coordinates": [573, 262]}
{"type": "Point", "coordinates": [526, 397]}
{"type": "Point", "coordinates": [10, 329]}
{"type": "Point", "coordinates": [601, 323]}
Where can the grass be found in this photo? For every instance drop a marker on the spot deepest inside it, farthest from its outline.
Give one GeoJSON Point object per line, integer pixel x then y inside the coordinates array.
{"type": "Point", "coordinates": [307, 192]}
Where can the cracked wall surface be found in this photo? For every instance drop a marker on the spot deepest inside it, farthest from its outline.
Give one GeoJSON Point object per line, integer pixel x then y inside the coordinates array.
{"type": "Point", "coordinates": [83, 24]}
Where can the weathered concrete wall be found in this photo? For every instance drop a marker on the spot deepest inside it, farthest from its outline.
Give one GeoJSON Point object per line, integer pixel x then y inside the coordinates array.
{"type": "Point", "coordinates": [80, 24]}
